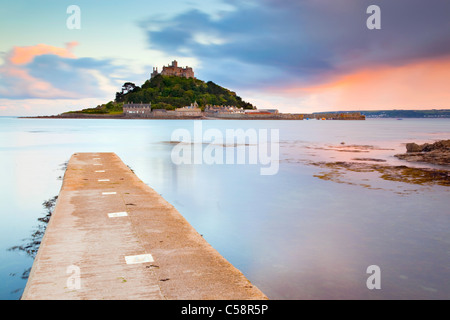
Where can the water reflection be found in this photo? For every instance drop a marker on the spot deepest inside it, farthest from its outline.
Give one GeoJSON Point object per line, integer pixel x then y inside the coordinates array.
{"type": "Point", "coordinates": [296, 235]}
{"type": "Point", "coordinates": [31, 245]}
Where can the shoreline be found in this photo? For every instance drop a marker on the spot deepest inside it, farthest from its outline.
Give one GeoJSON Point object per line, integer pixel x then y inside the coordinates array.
{"type": "Point", "coordinates": [277, 116]}
{"type": "Point", "coordinates": [170, 118]}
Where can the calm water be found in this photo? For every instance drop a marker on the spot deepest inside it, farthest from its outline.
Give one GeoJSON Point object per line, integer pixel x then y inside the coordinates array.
{"type": "Point", "coordinates": [292, 234]}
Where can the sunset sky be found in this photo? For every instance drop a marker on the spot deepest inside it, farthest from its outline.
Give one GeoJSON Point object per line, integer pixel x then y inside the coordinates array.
{"type": "Point", "coordinates": [294, 55]}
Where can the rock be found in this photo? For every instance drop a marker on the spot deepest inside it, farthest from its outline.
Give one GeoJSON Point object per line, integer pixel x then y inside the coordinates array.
{"type": "Point", "coordinates": [443, 145]}
{"type": "Point", "coordinates": [435, 153]}
{"type": "Point", "coordinates": [413, 147]}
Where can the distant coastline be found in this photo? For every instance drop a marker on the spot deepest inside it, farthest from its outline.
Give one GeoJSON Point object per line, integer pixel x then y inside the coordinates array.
{"type": "Point", "coordinates": [398, 113]}
{"type": "Point", "coordinates": [205, 116]}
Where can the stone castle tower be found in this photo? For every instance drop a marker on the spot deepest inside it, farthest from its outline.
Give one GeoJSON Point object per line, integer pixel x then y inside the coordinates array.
{"type": "Point", "coordinates": [174, 70]}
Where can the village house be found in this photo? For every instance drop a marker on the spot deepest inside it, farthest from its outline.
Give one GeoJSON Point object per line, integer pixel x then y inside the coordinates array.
{"type": "Point", "coordinates": [137, 109]}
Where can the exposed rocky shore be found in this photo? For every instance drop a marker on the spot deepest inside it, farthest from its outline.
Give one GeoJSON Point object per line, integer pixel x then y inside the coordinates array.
{"type": "Point", "coordinates": [435, 153]}
{"type": "Point", "coordinates": [358, 171]}
{"type": "Point", "coordinates": [410, 175]}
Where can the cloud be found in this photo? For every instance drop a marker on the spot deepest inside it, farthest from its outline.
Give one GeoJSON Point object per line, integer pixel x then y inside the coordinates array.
{"type": "Point", "coordinates": [23, 55]}
{"type": "Point", "coordinates": [418, 85]}
{"type": "Point", "coordinates": [48, 72]}
{"type": "Point", "coordinates": [306, 40]}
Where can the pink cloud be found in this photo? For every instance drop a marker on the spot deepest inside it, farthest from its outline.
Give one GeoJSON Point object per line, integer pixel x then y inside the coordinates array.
{"type": "Point", "coordinates": [21, 81]}
{"type": "Point", "coordinates": [17, 82]}
{"type": "Point", "coordinates": [419, 85]}
{"type": "Point", "coordinates": [23, 55]}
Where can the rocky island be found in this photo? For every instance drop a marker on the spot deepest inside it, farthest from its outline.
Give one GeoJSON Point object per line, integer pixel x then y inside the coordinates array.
{"type": "Point", "coordinates": [175, 93]}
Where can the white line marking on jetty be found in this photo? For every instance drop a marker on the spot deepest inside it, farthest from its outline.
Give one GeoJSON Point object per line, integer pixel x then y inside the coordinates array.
{"type": "Point", "coordinates": [100, 171]}
{"type": "Point", "coordinates": [97, 164]}
{"type": "Point", "coordinates": [97, 159]}
{"type": "Point", "coordinates": [103, 180]}
{"type": "Point", "coordinates": [106, 193]}
{"type": "Point", "coordinates": [117, 214]}
{"type": "Point", "coordinates": [141, 258]}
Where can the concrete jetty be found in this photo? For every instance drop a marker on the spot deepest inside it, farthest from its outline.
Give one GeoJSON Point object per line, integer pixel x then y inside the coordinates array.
{"type": "Point", "coordinates": [113, 237]}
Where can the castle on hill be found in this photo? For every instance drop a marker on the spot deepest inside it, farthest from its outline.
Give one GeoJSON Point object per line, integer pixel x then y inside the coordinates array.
{"type": "Point", "coordinates": [174, 70]}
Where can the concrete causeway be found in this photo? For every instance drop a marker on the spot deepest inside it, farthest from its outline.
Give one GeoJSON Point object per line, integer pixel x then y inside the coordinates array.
{"type": "Point", "coordinates": [113, 237]}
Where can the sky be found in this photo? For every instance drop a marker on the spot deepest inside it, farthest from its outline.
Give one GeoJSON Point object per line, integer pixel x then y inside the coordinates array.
{"type": "Point", "coordinates": [298, 56]}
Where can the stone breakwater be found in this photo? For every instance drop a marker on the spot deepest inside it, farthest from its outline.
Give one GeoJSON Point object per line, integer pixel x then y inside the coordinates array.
{"type": "Point", "coordinates": [434, 153]}
{"type": "Point", "coordinates": [112, 237]}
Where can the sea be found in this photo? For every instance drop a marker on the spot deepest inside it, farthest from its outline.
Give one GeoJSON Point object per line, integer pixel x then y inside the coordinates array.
{"type": "Point", "coordinates": [305, 230]}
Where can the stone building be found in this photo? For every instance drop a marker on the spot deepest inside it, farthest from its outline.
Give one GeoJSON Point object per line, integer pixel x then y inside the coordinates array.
{"type": "Point", "coordinates": [213, 110]}
{"type": "Point", "coordinates": [174, 70]}
{"type": "Point", "coordinates": [137, 109]}
{"type": "Point", "coordinates": [189, 111]}
{"type": "Point", "coordinates": [142, 110]}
